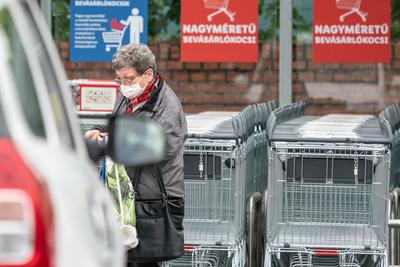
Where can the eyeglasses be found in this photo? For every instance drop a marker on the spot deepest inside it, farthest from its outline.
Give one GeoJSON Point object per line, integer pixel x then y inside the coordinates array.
{"type": "Point", "coordinates": [126, 80]}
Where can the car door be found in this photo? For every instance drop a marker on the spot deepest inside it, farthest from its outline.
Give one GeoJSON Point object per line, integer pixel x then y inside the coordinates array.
{"type": "Point", "coordinates": [44, 130]}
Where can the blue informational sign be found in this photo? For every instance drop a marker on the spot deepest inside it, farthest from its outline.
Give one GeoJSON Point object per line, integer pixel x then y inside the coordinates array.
{"type": "Point", "coordinates": [99, 27]}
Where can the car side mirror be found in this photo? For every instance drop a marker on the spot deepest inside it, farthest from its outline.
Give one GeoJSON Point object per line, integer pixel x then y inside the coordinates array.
{"type": "Point", "coordinates": [134, 142]}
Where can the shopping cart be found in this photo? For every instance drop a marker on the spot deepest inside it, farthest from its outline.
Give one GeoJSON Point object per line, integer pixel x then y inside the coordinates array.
{"type": "Point", "coordinates": [353, 6]}
{"type": "Point", "coordinates": [221, 6]}
{"type": "Point", "coordinates": [113, 39]}
{"type": "Point", "coordinates": [222, 170]}
{"type": "Point", "coordinates": [214, 218]}
{"type": "Point", "coordinates": [328, 186]}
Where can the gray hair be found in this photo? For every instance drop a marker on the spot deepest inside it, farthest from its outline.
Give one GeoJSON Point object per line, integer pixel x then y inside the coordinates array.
{"type": "Point", "coordinates": [138, 56]}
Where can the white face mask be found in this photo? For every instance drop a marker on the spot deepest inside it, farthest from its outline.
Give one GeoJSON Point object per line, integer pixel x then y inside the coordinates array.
{"type": "Point", "coordinates": [132, 91]}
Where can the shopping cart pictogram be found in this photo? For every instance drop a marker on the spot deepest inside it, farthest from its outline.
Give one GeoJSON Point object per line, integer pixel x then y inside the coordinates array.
{"type": "Point", "coordinates": [113, 38]}
{"type": "Point", "coordinates": [353, 6]}
{"type": "Point", "coordinates": [221, 6]}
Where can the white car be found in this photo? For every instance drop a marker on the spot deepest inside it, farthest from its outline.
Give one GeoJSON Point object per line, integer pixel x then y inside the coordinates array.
{"type": "Point", "coordinates": [54, 210]}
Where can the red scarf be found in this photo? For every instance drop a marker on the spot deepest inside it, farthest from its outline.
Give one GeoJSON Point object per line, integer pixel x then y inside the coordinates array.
{"type": "Point", "coordinates": [143, 97]}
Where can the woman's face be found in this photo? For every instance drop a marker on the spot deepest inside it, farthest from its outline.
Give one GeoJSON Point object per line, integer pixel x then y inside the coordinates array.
{"type": "Point", "coordinates": [128, 76]}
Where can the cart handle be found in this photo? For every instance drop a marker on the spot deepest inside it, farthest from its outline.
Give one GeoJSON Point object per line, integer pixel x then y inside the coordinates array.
{"type": "Point", "coordinates": [188, 248]}
{"type": "Point", "coordinates": [323, 252]}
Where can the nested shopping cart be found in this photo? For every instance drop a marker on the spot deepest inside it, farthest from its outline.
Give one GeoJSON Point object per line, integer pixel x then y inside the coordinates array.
{"type": "Point", "coordinates": [214, 213]}
{"type": "Point", "coordinates": [327, 190]}
{"type": "Point", "coordinates": [220, 176]}
{"type": "Point", "coordinates": [221, 6]}
{"type": "Point", "coordinates": [391, 116]}
{"type": "Point", "coordinates": [352, 7]}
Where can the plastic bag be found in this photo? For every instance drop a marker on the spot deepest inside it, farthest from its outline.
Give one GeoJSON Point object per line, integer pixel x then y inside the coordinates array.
{"type": "Point", "coordinates": [121, 189]}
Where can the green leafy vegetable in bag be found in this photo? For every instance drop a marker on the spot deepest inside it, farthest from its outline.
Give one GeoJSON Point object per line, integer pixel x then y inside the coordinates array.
{"type": "Point", "coordinates": [124, 199]}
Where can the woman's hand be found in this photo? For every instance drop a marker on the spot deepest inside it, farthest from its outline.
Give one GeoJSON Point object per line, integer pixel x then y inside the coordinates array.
{"type": "Point", "coordinates": [92, 134]}
{"type": "Point", "coordinates": [95, 135]}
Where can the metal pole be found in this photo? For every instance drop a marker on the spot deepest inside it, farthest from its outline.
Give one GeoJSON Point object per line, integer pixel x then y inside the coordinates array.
{"type": "Point", "coordinates": [392, 242]}
{"type": "Point", "coordinates": [394, 223]}
{"type": "Point", "coordinates": [252, 226]}
{"type": "Point", "coordinates": [285, 52]}
{"type": "Point", "coordinates": [264, 206]}
{"type": "Point", "coordinates": [46, 10]}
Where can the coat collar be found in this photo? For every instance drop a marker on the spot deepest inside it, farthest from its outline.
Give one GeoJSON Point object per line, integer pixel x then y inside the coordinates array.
{"type": "Point", "coordinates": [150, 104]}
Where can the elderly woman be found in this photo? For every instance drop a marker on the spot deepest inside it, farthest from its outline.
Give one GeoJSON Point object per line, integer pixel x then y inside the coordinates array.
{"type": "Point", "coordinates": [144, 94]}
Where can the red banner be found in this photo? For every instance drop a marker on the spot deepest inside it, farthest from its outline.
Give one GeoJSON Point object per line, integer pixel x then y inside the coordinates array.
{"type": "Point", "coordinates": [351, 31]}
{"type": "Point", "coordinates": [219, 30]}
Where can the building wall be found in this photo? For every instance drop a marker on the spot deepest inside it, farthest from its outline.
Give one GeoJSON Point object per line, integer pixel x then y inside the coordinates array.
{"type": "Point", "coordinates": [334, 87]}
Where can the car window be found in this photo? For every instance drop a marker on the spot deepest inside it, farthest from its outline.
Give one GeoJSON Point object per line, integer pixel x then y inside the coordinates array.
{"type": "Point", "coordinates": [52, 84]}
{"type": "Point", "coordinates": [22, 76]}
